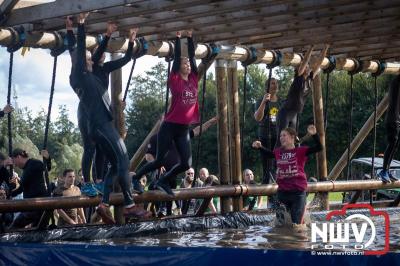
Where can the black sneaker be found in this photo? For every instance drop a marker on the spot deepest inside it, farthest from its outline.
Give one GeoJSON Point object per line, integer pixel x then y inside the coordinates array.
{"type": "Point", "coordinates": [137, 187]}
{"type": "Point", "coordinates": [164, 186]}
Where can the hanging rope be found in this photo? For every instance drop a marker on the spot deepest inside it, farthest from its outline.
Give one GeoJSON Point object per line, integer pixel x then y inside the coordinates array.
{"type": "Point", "coordinates": [201, 126]}
{"type": "Point", "coordinates": [328, 71]}
{"type": "Point", "coordinates": [169, 59]}
{"type": "Point", "coordinates": [18, 40]}
{"type": "Point", "coordinates": [357, 69]}
{"type": "Point", "coordinates": [276, 62]}
{"type": "Point", "coordinates": [142, 50]}
{"type": "Point", "coordinates": [9, 117]}
{"type": "Point", "coordinates": [213, 51]}
{"type": "Point", "coordinates": [252, 52]}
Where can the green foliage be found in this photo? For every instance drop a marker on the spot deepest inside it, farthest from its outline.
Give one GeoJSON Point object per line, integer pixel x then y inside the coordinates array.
{"type": "Point", "coordinates": [28, 133]}
{"type": "Point", "coordinates": [148, 95]}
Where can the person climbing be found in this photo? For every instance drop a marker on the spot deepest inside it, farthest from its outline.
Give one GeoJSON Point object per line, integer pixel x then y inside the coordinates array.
{"type": "Point", "coordinates": [298, 91]}
{"type": "Point", "coordinates": [184, 110]}
{"type": "Point", "coordinates": [392, 125]}
{"type": "Point", "coordinates": [96, 105]}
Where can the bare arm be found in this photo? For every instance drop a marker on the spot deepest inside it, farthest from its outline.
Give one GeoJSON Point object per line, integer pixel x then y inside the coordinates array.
{"type": "Point", "coordinates": [65, 217]}
{"type": "Point", "coordinates": [259, 114]}
{"type": "Point", "coordinates": [212, 207]}
{"type": "Point", "coordinates": [81, 214]}
{"type": "Point", "coordinates": [304, 62]}
{"type": "Point", "coordinates": [317, 64]}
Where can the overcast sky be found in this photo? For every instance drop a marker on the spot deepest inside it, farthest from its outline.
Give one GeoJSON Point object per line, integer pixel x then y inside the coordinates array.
{"type": "Point", "coordinates": [32, 79]}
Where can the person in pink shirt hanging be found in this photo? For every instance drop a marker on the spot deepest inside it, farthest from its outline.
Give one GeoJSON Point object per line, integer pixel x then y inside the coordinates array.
{"type": "Point", "coordinates": [184, 111]}
{"type": "Point", "coordinates": [291, 178]}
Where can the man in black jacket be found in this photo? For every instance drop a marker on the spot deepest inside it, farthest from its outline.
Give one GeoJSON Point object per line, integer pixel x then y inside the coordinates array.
{"type": "Point", "coordinates": [32, 184]}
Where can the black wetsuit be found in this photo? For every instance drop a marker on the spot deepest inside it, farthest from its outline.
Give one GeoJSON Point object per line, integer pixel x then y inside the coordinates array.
{"type": "Point", "coordinates": [96, 106]}
{"type": "Point", "coordinates": [268, 135]}
{"type": "Point", "coordinates": [33, 184]}
{"type": "Point", "coordinates": [169, 161]}
{"type": "Point", "coordinates": [293, 105]}
{"type": "Point", "coordinates": [392, 122]}
{"type": "Point", "coordinates": [91, 151]}
{"type": "Point", "coordinates": [172, 132]}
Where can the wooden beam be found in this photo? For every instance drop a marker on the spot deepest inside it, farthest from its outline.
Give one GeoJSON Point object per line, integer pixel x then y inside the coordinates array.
{"type": "Point", "coordinates": [234, 130]}
{"type": "Point", "coordinates": [318, 110]}
{"type": "Point", "coordinates": [223, 143]}
{"type": "Point", "coordinates": [51, 203]}
{"type": "Point", "coordinates": [161, 49]}
{"type": "Point", "coordinates": [5, 9]}
{"type": "Point", "coordinates": [59, 9]}
{"type": "Point", "coordinates": [137, 158]}
{"type": "Point", "coordinates": [359, 138]}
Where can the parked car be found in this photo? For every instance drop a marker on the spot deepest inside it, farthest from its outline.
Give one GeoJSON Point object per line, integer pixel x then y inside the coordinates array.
{"type": "Point", "coordinates": [361, 169]}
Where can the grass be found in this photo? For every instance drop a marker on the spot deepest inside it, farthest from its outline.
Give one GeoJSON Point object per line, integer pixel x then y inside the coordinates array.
{"type": "Point", "coordinates": [333, 196]}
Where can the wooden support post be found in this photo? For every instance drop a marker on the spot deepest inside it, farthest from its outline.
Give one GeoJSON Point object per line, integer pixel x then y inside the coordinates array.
{"type": "Point", "coordinates": [318, 109]}
{"type": "Point", "coordinates": [119, 123]}
{"type": "Point", "coordinates": [359, 138]}
{"type": "Point", "coordinates": [234, 131]}
{"type": "Point", "coordinates": [139, 154]}
{"type": "Point", "coordinates": [223, 144]}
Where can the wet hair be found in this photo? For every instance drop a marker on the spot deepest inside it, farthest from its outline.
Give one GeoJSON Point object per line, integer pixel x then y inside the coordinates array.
{"type": "Point", "coordinates": [19, 152]}
{"type": "Point", "coordinates": [68, 170]}
{"type": "Point", "coordinates": [290, 131]}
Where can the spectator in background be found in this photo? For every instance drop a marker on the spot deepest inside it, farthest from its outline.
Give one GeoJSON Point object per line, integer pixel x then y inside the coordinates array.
{"type": "Point", "coordinates": [68, 189]}
{"type": "Point", "coordinates": [250, 202]}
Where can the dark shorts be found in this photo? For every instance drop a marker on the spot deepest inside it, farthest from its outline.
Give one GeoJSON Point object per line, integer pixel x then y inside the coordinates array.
{"type": "Point", "coordinates": [295, 203]}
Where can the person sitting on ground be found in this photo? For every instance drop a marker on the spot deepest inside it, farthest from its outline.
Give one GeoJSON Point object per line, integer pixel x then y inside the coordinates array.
{"type": "Point", "coordinates": [291, 178]}
{"type": "Point", "coordinates": [203, 174]}
{"type": "Point", "coordinates": [188, 182]}
{"type": "Point", "coordinates": [32, 184]}
{"type": "Point", "coordinates": [68, 189]}
{"type": "Point", "coordinates": [298, 91]}
{"type": "Point", "coordinates": [211, 181]}
{"type": "Point", "coordinates": [250, 202]}
{"type": "Point", "coordinates": [392, 125]}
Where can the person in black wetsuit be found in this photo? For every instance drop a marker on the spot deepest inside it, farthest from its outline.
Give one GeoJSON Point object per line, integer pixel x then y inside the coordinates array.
{"type": "Point", "coordinates": [268, 109]}
{"type": "Point", "coordinates": [298, 91]}
{"type": "Point", "coordinates": [184, 111]}
{"type": "Point", "coordinates": [392, 125]}
{"type": "Point", "coordinates": [96, 105]}
{"type": "Point", "coordinates": [102, 70]}
{"type": "Point", "coordinates": [32, 184]}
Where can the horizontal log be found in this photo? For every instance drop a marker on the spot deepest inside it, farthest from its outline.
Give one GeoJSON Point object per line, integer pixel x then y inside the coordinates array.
{"type": "Point", "coordinates": [185, 194]}
{"type": "Point", "coordinates": [162, 49]}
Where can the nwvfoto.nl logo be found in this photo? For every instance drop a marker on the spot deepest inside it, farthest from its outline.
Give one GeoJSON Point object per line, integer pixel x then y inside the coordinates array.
{"type": "Point", "coordinates": [356, 231]}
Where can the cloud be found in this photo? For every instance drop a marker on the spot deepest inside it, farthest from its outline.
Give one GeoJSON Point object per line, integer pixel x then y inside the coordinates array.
{"type": "Point", "coordinates": [32, 75]}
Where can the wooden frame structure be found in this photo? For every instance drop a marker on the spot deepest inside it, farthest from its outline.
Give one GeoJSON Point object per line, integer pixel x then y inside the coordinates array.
{"type": "Point", "coordinates": [366, 30]}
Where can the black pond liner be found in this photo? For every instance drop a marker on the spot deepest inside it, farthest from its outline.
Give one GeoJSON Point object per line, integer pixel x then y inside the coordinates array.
{"type": "Point", "coordinates": [89, 233]}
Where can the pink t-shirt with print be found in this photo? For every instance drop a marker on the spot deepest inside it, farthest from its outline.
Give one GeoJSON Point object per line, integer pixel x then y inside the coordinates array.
{"type": "Point", "coordinates": [184, 104]}
{"type": "Point", "coordinates": [290, 169]}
